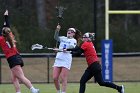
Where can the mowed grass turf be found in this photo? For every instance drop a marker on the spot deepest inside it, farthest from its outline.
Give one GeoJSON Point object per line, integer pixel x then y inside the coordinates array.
{"type": "Point", "coordinates": [73, 88]}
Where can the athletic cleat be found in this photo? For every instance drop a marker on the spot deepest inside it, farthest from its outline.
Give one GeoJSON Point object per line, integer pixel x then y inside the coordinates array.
{"type": "Point", "coordinates": [122, 89]}
{"type": "Point", "coordinates": [35, 91]}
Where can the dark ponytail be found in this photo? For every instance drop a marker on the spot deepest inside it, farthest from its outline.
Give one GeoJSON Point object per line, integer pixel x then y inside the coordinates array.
{"type": "Point", "coordinates": [78, 37]}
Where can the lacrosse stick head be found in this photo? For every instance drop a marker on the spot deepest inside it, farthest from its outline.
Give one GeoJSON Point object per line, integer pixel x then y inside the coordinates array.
{"type": "Point", "coordinates": [60, 11]}
{"type": "Point", "coordinates": [37, 46]}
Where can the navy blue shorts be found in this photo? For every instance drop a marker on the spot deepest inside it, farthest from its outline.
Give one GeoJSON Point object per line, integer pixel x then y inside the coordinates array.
{"type": "Point", "coordinates": [15, 60]}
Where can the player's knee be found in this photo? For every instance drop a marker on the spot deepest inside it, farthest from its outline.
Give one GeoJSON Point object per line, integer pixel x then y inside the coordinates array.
{"type": "Point", "coordinates": [13, 79]}
{"type": "Point", "coordinates": [55, 78]}
{"type": "Point", "coordinates": [82, 81]}
{"type": "Point", "coordinates": [101, 83]}
{"type": "Point", "coordinates": [64, 79]}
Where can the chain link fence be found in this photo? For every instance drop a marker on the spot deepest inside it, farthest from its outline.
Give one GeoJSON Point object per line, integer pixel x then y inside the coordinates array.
{"type": "Point", "coordinates": [38, 68]}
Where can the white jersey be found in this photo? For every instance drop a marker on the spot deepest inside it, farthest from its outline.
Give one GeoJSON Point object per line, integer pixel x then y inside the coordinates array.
{"type": "Point", "coordinates": [64, 59]}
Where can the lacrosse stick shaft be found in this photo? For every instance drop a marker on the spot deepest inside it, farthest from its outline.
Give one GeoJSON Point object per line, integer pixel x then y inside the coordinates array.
{"type": "Point", "coordinates": [59, 50]}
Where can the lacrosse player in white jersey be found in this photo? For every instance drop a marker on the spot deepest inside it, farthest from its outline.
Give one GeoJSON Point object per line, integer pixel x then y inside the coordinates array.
{"type": "Point", "coordinates": [63, 59]}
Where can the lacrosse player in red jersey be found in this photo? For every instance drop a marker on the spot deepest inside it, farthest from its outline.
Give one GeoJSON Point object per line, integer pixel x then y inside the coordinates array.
{"type": "Point", "coordinates": [63, 59]}
{"type": "Point", "coordinates": [8, 45]}
{"type": "Point", "coordinates": [94, 66]}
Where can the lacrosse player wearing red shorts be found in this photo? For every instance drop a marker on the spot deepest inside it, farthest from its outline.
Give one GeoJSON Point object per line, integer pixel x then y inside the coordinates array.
{"type": "Point", "coordinates": [94, 66]}
{"type": "Point", "coordinates": [8, 45]}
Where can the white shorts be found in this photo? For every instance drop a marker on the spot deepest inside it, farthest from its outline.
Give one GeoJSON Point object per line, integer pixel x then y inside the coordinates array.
{"type": "Point", "coordinates": [62, 63]}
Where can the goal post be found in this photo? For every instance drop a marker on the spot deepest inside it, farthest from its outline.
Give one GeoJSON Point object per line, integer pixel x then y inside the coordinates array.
{"type": "Point", "coordinates": [124, 12]}
{"type": "Point", "coordinates": [107, 44]}
{"type": "Point", "coordinates": [108, 12]}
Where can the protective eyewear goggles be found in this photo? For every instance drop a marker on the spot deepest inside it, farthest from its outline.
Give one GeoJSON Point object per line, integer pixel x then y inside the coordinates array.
{"type": "Point", "coordinates": [71, 31]}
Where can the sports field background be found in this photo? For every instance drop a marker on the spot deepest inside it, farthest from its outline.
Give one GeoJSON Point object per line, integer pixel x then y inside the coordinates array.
{"type": "Point", "coordinates": [38, 69]}
{"type": "Point", "coordinates": [73, 88]}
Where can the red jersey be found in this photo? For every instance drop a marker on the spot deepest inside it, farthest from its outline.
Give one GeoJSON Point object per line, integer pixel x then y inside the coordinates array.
{"type": "Point", "coordinates": [89, 52]}
{"type": "Point", "coordinates": [8, 51]}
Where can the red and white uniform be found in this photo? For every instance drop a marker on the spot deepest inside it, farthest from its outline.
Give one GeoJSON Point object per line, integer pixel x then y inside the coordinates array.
{"type": "Point", "coordinates": [89, 52]}
{"type": "Point", "coordinates": [7, 49]}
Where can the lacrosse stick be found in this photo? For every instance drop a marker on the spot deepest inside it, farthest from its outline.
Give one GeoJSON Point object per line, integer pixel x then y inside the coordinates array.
{"type": "Point", "coordinates": [60, 11]}
{"type": "Point", "coordinates": [38, 46]}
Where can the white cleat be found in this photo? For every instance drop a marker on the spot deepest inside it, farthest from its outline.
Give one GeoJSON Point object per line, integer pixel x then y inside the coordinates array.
{"type": "Point", "coordinates": [35, 91]}
{"type": "Point", "coordinates": [122, 89]}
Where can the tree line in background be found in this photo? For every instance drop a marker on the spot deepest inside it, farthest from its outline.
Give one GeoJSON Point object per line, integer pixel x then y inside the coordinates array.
{"type": "Point", "coordinates": [34, 21]}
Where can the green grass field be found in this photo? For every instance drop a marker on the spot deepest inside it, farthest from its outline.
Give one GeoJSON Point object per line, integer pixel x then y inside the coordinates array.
{"type": "Point", "coordinates": [73, 88]}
